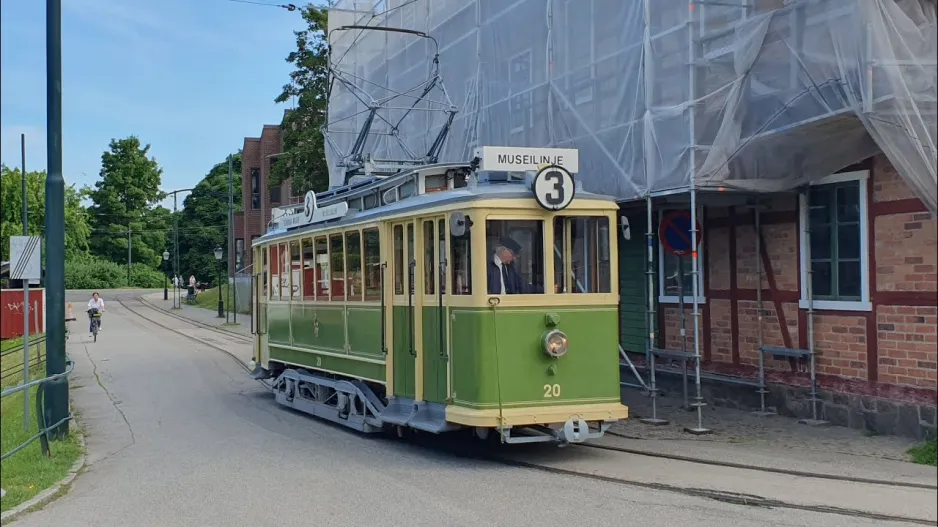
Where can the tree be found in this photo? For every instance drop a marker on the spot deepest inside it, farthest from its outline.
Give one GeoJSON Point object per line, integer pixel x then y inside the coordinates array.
{"type": "Point", "coordinates": [304, 157]}
{"type": "Point", "coordinates": [203, 221]}
{"type": "Point", "coordinates": [77, 228]}
{"type": "Point", "coordinates": [126, 197]}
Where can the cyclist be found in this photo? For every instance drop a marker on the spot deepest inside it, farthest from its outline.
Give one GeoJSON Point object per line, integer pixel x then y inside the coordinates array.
{"type": "Point", "coordinates": [95, 305]}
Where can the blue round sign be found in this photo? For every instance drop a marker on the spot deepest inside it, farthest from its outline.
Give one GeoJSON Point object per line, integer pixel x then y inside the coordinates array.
{"type": "Point", "coordinates": [675, 233]}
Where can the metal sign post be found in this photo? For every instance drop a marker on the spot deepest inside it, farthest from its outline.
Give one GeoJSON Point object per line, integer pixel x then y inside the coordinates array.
{"type": "Point", "coordinates": [25, 265]}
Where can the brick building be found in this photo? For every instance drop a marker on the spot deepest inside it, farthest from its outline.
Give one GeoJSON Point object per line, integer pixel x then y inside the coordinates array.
{"type": "Point", "coordinates": [259, 154]}
{"type": "Point", "coordinates": [875, 287]}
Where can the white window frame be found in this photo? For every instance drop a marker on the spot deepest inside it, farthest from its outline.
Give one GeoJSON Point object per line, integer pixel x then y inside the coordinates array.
{"type": "Point", "coordinates": [864, 304]}
{"type": "Point", "coordinates": [676, 299]}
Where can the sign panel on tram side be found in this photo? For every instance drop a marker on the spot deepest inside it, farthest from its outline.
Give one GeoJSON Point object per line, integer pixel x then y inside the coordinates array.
{"type": "Point", "coordinates": [312, 213]}
{"type": "Point", "coordinates": [518, 159]}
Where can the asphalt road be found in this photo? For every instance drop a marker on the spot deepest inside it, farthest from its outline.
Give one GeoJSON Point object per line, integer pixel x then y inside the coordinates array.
{"type": "Point", "coordinates": [178, 435]}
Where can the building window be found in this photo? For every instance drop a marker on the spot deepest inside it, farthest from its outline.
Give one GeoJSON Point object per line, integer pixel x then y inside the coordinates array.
{"type": "Point", "coordinates": [521, 113]}
{"type": "Point", "coordinates": [677, 272]}
{"type": "Point", "coordinates": [239, 255]}
{"type": "Point", "coordinates": [255, 188]}
{"type": "Point", "coordinates": [835, 212]}
{"type": "Point", "coordinates": [275, 195]}
{"type": "Point", "coordinates": [580, 67]}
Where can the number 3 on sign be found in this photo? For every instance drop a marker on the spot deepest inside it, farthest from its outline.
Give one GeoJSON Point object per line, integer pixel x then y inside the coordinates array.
{"type": "Point", "coordinates": [551, 390]}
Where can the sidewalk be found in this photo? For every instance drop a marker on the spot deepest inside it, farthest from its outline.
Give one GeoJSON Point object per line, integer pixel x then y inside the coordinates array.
{"type": "Point", "coordinates": [773, 443]}
{"type": "Point", "coordinates": [201, 315]}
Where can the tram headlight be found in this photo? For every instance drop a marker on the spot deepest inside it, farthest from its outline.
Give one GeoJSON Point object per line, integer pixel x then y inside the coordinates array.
{"type": "Point", "coordinates": [555, 343]}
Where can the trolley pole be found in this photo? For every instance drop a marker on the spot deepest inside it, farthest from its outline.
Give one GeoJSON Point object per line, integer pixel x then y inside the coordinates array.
{"type": "Point", "coordinates": [56, 393]}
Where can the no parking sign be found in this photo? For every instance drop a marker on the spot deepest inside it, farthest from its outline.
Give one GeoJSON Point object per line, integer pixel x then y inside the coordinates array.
{"type": "Point", "coordinates": [675, 233]}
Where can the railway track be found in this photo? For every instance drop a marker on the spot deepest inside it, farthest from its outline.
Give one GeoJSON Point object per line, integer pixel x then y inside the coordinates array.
{"type": "Point", "coordinates": [734, 498]}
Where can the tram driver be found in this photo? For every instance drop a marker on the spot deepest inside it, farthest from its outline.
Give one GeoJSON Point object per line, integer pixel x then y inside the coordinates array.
{"type": "Point", "coordinates": [502, 277]}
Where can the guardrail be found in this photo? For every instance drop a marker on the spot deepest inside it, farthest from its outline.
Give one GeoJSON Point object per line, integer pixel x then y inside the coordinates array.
{"type": "Point", "coordinates": [18, 367]}
{"type": "Point", "coordinates": [44, 430]}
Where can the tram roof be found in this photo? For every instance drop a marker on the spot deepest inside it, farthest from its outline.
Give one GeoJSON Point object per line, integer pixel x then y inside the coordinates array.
{"type": "Point", "coordinates": [482, 191]}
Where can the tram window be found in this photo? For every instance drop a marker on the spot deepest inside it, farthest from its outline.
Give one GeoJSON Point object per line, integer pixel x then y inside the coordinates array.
{"type": "Point", "coordinates": [353, 282]}
{"type": "Point", "coordinates": [296, 269]}
{"type": "Point", "coordinates": [337, 267]}
{"type": "Point", "coordinates": [264, 267]}
{"type": "Point", "coordinates": [520, 245]}
{"type": "Point", "coordinates": [461, 261]}
{"type": "Point", "coordinates": [371, 201]}
{"type": "Point", "coordinates": [407, 189]}
{"type": "Point", "coordinates": [585, 264]}
{"type": "Point", "coordinates": [429, 262]}
{"type": "Point", "coordinates": [322, 269]}
{"type": "Point", "coordinates": [372, 250]}
{"type": "Point", "coordinates": [284, 272]}
{"type": "Point", "coordinates": [410, 256]}
{"type": "Point", "coordinates": [275, 272]}
{"type": "Point", "coordinates": [309, 270]}
{"type": "Point", "coordinates": [441, 235]}
{"type": "Point", "coordinates": [398, 260]}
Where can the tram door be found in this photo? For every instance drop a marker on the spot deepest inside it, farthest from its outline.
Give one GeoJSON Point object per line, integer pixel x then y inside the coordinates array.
{"type": "Point", "coordinates": [433, 341]}
{"type": "Point", "coordinates": [404, 309]}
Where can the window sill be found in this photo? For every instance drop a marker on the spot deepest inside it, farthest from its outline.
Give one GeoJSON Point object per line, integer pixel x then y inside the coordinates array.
{"type": "Point", "coordinates": [677, 300]}
{"type": "Point", "coordinates": [837, 305]}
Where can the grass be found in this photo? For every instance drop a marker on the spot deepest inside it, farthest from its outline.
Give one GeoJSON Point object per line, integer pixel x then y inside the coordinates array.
{"type": "Point", "coordinates": [926, 453]}
{"type": "Point", "coordinates": [209, 299]}
{"type": "Point", "coordinates": [27, 472]}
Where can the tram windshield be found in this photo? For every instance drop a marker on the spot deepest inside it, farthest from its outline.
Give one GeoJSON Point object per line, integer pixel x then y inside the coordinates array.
{"type": "Point", "coordinates": [515, 252]}
{"type": "Point", "coordinates": [581, 254]}
{"type": "Point", "coordinates": [515, 256]}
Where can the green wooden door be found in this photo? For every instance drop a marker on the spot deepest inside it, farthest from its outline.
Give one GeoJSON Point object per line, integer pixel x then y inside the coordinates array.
{"type": "Point", "coordinates": [633, 287]}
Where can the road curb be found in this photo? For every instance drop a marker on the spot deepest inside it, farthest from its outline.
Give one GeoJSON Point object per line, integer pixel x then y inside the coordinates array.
{"type": "Point", "coordinates": [47, 496]}
{"type": "Point", "coordinates": [167, 311]}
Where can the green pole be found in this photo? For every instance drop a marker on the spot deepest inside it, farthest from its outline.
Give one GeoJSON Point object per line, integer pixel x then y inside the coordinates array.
{"type": "Point", "coordinates": [56, 394]}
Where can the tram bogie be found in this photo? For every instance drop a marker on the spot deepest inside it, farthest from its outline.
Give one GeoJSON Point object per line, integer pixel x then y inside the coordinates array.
{"type": "Point", "coordinates": [441, 298]}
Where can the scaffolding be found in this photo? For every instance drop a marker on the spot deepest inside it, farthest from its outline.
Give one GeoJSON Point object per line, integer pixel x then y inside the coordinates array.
{"type": "Point", "coordinates": [720, 88]}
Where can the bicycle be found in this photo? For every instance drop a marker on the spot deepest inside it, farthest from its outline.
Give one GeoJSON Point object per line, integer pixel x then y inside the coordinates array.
{"type": "Point", "coordinates": [95, 317]}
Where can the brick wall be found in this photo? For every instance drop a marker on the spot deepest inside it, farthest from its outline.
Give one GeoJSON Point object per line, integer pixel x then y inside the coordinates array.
{"type": "Point", "coordinates": [257, 152]}
{"type": "Point", "coordinates": [892, 348]}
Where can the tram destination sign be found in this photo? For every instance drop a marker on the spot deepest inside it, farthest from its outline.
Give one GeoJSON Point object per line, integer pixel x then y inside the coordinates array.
{"type": "Point", "coordinates": [517, 159]}
{"type": "Point", "coordinates": [310, 213]}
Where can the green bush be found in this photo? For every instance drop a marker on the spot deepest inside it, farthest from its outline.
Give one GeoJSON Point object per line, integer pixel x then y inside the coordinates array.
{"type": "Point", "coordinates": [92, 272]}
{"type": "Point", "coordinates": [145, 277]}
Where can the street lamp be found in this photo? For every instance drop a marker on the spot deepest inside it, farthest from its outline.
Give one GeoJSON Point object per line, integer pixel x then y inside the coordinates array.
{"type": "Point", "coordinates": [221, 305]}
{"type": "Point", "coordinates": [165, 275]}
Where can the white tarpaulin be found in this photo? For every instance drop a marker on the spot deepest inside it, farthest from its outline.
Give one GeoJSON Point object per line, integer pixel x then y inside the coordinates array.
{"type": "Point", "coordinates": [656, 95]}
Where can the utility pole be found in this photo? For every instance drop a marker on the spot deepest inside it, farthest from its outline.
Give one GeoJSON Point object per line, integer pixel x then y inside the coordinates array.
{"type": "Point", "coordinates": [231, 255]}
{"type": "Point", "coordinates": [25, 289]}
{"type": "Point", "coordinates": [176, 250]}
{"type": "Point", "coordinates": [56, 393]}
{"type": "Point", "coordinates": [129, 243]}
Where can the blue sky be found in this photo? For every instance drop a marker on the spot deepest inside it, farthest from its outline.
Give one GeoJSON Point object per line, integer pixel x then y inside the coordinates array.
{"type": "Point", "coordinates": [190, 77]}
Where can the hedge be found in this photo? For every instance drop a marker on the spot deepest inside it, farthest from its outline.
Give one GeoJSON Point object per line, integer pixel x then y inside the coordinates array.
{"type": "Point", "coordinates": [92, 272]}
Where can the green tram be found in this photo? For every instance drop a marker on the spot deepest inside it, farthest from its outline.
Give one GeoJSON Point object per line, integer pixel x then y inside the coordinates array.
{"type": "Point", "coordinates": [444, 297]}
